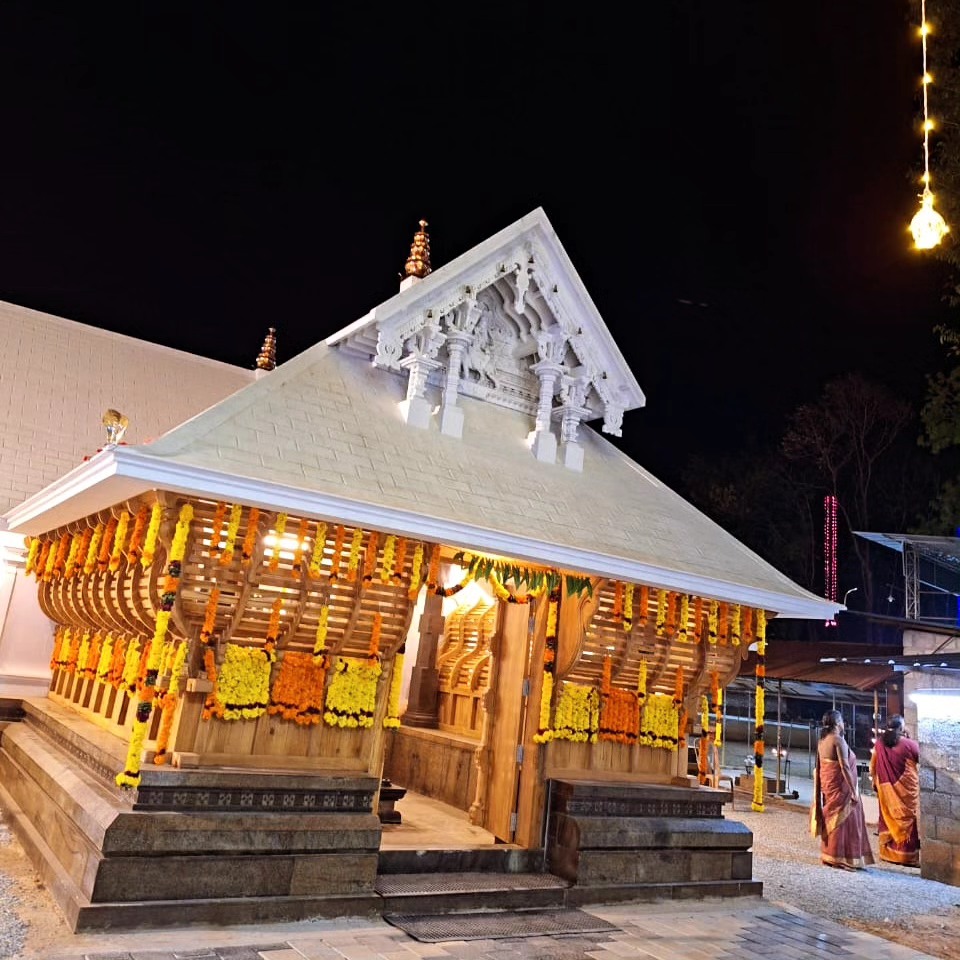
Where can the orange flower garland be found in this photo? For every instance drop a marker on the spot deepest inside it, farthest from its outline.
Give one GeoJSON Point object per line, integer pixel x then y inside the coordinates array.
{"type": "Point", "coordinates": [60, 560]}
{"type": "Point", "coordinates": [168, 703]}
{"type": "Point", "coordinates": [215, 530]}
{"type": "Point", "coordinates": [136, 538]}
{"type": "Point", "coordinates": [106, 544]}
{"type": "Point", "coordinates": [374, 650]}
{"type": "Point", "coordinates": [41, 563]}
{"type": "Point", "coordinates": [678, 687]}
{"type": "Point", "coordinates": [337, 552]}
{"type": "Point", "coordinates": [684, 617]}
{"type": "Point", "coordinates": [120, 537]}
{"type": "Point", "coordinates": [298, 691]}
{"type": "Point", "coordinates": [723, 623]}
{"type": "Point", "coordinates": [370, 557]}
{"type": "Point", "coordinates": [433, 571]}
{"type": "Point", "coordinates": [400, 558]}
{"type": "Point", "coordinates": [298, 552]}
{"type": "Point", "coordinates": [250, 540]}
{"type": "Point", "coordinates": [117, 663]}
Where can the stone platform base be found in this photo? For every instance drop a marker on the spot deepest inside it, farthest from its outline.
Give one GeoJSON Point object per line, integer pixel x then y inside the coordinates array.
{"type": "Point", "coordinates": [191, 846]}
{"type": "Point", "coordinates": [646, 842]}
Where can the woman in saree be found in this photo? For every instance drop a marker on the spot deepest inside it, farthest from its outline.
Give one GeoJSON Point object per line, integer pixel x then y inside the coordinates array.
{"type": "Point", "coordinates": [837, 810]}
{"type": "Point", "coordinates": [894, 770]}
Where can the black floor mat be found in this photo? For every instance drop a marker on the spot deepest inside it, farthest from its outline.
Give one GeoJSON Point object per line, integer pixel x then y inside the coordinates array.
{"type": "Point", "coordinates": [505, 925]}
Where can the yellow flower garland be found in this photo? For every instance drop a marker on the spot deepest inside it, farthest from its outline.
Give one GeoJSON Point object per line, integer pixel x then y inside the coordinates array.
{"type": "Point", "coordinates": [71, 566]}
{"type": "Point", "coordinates": [661, 611]}
{"type": "Point", "coordinates": [131, 665]}
{"type": "Point", "coordinates": [280, 527]}
{"type": "Point", "coordinates": [577, 715]}
{"type": "Point", "coordinates": [660, 726]}
{"type": "Point", "coordinates": [50, 565]}
{"type": "Point", "coordinates": [392, 719]}
{"type": "Point", "coordinates": [544, 728]}
{"type": "Point", "coordinates": [684, 617]}
{"type": "Point", "coordinates": [316, 557]}
{"type": "Point", "coordinates": [243, 684]}
{"type": "Point", "coordinates": [352, 697]}
{"type": "Point", "coordinates": [106, 658]}
{"type": "Point", "coordinates": [119, 539]}
{"type": "Point", "coordinates": [628, 608]}
{"type": "Point", "coordinates": [545, 731]}
{"type": "Point", "coordinates": [354, 561]}
{"type": "Point", "coordinates": [760, 632]}
{"type": "Point", "coordinates": [169, 704]}
{"type": "Point", "coordinates": [130, 775]}
{"type": "Point", "coordinates": [642, 682]}
{"type": "Point", "coordinates": [320, 640]}
{"type": "Point", "coordinates": [736, 627]}
{"type": "Point", "coordinates": [389, 548]}
{"type": "Point", "coordinates": [153, 533]}
{"type": "Point", "coordinates": [713, 615]}
{"type": "Point", "coordinates": [233, 527]}
{"type": "Point", "coordinates": [298, 551]}
{"type": "Point", "coordinates": [32, 553]}
{"type": "Point", "coordinates": [416, 572]}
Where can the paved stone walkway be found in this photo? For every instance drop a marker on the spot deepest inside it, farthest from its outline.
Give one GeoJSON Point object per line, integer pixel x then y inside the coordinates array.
{"type": "Point", "coordinates": [738, 930]}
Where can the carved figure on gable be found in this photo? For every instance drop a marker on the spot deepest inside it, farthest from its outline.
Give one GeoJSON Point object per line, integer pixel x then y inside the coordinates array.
{"type": "Point", "coordinates": [479, 356]}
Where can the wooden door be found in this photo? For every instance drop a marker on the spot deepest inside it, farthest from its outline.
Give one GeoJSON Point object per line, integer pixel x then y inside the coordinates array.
{"type": "Point", "coordinates": [506, 703]}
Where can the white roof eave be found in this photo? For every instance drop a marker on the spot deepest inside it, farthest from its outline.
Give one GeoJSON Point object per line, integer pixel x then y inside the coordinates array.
{"type": "Point", "coordinates": [119, 473]}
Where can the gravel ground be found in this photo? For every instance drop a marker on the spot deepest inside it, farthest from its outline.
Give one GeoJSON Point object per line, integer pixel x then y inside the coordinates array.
{"type": "Point", "coordinates": [886, 900]}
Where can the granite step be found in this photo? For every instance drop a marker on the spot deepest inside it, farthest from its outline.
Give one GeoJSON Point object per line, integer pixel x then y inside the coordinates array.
{"type": "Point", "coordinates": [499, 859]}
{"type": "Point", "coordinates": [435, 893]}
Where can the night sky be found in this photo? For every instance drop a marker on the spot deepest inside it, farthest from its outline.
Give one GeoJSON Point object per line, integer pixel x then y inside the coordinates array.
{"type": "Point", "coordinates": [732, 180]}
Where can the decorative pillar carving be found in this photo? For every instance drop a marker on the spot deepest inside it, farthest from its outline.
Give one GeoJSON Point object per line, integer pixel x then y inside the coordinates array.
{"type": "Point", "coordinates": [573, 409]}
{"type": "Point", "coordinates": [613, 419]}
{"type": "Point", "coordinates": [422, 701]}
{"type": "Point", "coordinates": [551, 345]}
{"type": "Point", "coordinates": [419, 363]}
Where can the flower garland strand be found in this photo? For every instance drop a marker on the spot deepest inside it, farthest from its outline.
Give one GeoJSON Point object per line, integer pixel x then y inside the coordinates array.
{"type": "Point", "coordinates": [544, 732]}
{"type": "Point", "coordinates": [119, 541]}
{"type": "Point", "coordinates": [315, 566]}
{"type": "Point", "coordinates": [717, 691]}
{"type": "Point", "coordinates": [400, 558]}
{"type": "Point", "coordinates": [60, 561]}
{"type": "Point", "coordinates": [33, 552]}
{"type": "Point", "coordinates": [233, 528]}
{"type": "Point", "coordinates": [703, 760]}
{"type": "Point", "coordinates": [416, 572]}
{"type": "Point", "coordinates": [168, 704]}
{"type": "Point", "coordinates": [320, 640]}
{"type": "Point", "coordinates": [280, 528]}
{"type": "Point", "coordinates": [298, 552]}
{"type": "Point", "coordinates": [153, 534]}
{"type": "Point", "coordinates": [370, 557]}
{"type": "Point", "coordinates": [577, 716]}
{"type": "Point", "coordinates": [273, 631]}
{"type": "Point", "coordinates": [242, 690]}
{"type": "Point", "coordinates": [71, 565]}
{"type": "Point", "coordinates": [433, 571]}
{"type": "Point", "coordinates": [386, 565]}
{"type": "Point", "coordinates": [713, 616]}
{"type": "Point", "coordinates": [51, 561]}
{"type": "Point", "coordinates": [216, 529]}
{"type": "Point", "coordinates": [628, 608]}
{"type": "Point", "coordinates": [374, 651]}
{"type": "Point", "coordinates": [337, 558]}
{"type": "Point", "coordinates": [736, 627]}
{"type": "Point", "coordinates": [660, 724]}
{"type": "Point", "coordinates": [354, 560]}
{"type": "Point", "coordinates": [250, 538]}
{"type": "Point", "coordinates": [135, 546]}
{"type": "Point", "coordinates": [684, 634]}
{"type": "Point", "coordinates": [392, 718]}
{"type": "Point", "coordinates": [106, 545]}
{"type": "Point", "coordinates": [760, 627]}
{"type": "Point", "coordinates": [661, 612]}
{"type": "Point", "coordinates": [130, 776]}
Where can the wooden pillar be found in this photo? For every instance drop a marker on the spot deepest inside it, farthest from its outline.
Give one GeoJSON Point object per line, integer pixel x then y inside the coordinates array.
{"type": "Point", "coordinates": [423, 699]}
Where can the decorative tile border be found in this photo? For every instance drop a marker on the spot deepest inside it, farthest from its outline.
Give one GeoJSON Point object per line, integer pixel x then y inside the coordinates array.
{"type": "Point", "coordinates": [243, 800]}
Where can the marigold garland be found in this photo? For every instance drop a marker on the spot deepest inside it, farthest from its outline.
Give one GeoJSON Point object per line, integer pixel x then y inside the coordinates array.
{"type": "Point", "coordinates": [298, 691]}
{"type": "Point", "coordinates": [386, 564]}
{"type": "Point", "coordinates": [416, 572]}
{"type": "Point", "coordinates": [392, 718]}
{"type": "Point", "coordinates": [736, 626]}
{"type": "Point", "coordinates": [642, 682]}
{"type": "Point", "coordinates": [93, 656]}
{"type": "Point", "coordinates": [118, 663]}
{"type": "Point", "coordinates": [60, 560]}
{"type": "Point", "coordinates": [41, 563]}
{"type": "Point", "coordinates": [660, 724]}
{"type": "Point", "coordinates": [210, 616]}
{"type": "Point", "coordinates": [33, 552]}
{"type": "Point", "coordinates": [233, 528]}
{"type": "Point", "coordinates": [433, 571]}
{"type": "Point", "coordinates": [723, 624]}
{"type": "Point", "coordinates": [712, 621]}
{"type": "Point", "coordinates": [57, 660]}
{"type": "Point", "coordinates": [51, 561]}
{"type": "Point", "coordinates": [119, 539]}
{"type": "Point", "coordinates": [337, 558]}
{"type": "Point", "coordinates": [136, 538]}
{"type": "Point", "coordinates": [760, 628]}
{"type": "Point", "coordinates": [400, 558]}
{"type": "Point", "coordinates": [502, 593]}
{"type": "Point", "coordinates": [684, 617]}
{"type": "Point", "coordinates": [354, 560]}
{"type": "Point", "coordinates": [70, 568]}
{"type": "Point", "coordinates": [131, 666]}
{"type": "Point", "coordinates": [577, 717]}
{"type": "Point", "coordinates": [315, 567]}
{"type": "Point", "coordinates": [242, 691]}
{"type": "Point", "coordinates": [320, 640]}
{"type": "Point", "coordinates": [73, 651]}
{"type": "Point", "coordinates": [250, 539]}
{"type": "Point", "coordinates": [374, 650]}
{"type": "Point", "coordinates": [661, 612]}
{"type": "Point", "coordinates": [106, 545]}
{"type": "Point", "coordinates": [619, 716]}
{"type": "Point", "coordinates": [216, 529]}
{"type": "Point", "coordinates": [153, 535]}
{"type": "Point", "coordinates": [544, 729]}
{"type": "Point", "coordinates": [370, 556]}
{"type": "Point", "coordinates": [628, 608]}
{"type": "Point", "coordinates": [279, 528]}
{"type": "Point", "coordinates": [105, 660]}
{"type": "Point", "coordinates": [130, 776]}
{"type": "Point", "coordinates": [298, 551]}
{"type": "Point", "coordinates": [352, 696]}
{"type": "Point", "coordinates": [703, 760]}
{"type": "Point", "coordinates": [168, 704]}
{"type": "Point", "coordinates": [678, 687]}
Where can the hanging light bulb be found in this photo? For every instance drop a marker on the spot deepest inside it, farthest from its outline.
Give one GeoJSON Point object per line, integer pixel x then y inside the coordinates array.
{"type": "Point", "coordinates": [927, 226]}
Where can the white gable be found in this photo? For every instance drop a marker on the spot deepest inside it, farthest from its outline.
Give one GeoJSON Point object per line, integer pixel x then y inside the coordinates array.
{"type": "Point", "coordinates": [510, 323]}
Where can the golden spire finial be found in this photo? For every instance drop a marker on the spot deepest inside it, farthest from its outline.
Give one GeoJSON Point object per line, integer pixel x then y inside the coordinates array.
{"type": "Point", "coordinates": [267, 360]}
{"type": "Point", "coordinates": [418, 263]}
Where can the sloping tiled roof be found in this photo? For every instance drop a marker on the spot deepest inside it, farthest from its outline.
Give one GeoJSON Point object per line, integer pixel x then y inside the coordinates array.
{"type": "Point", "coordinates": [329, 423]}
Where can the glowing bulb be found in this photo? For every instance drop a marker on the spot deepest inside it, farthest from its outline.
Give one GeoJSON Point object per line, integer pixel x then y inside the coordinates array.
{"type": "Point", "coordinates": [928, 125]}
{"type": "Point", "coordinates": [927, 226]}
{"type": "Point", "coordinates": [925, 178]}
{"type": "Point", "coordinates": [927, 78]}
{"type": "Point", "coordinates": [924, 29]}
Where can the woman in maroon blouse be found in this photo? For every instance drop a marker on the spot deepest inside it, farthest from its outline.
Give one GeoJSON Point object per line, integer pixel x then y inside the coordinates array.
{"type": "Point", "coordinates": [894, 767]}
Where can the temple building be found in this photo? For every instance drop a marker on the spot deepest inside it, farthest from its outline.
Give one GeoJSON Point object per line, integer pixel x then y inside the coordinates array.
{"type": "Point", "coordinates": [405, 553]}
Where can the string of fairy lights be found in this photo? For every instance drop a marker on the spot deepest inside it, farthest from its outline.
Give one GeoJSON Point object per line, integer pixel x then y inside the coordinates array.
{"type": "Point", "coordinates": [927, 226]}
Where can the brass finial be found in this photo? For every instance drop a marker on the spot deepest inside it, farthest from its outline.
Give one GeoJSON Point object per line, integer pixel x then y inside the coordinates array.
{"type": "Point", "coordinates": [267, 360]}
{"type": "Point", "coordinates": [418, 263]}
{"type": "Point", "coordinates": [116, 424]}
